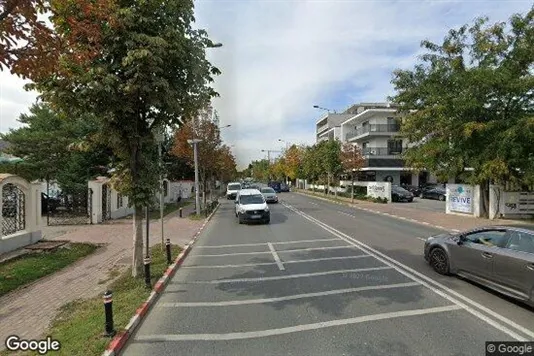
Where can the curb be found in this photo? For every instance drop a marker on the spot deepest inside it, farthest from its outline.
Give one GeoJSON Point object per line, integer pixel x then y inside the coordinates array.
{"type": "Point", "coordinates": [118, 342]}
{"type": "Point", "coordinates": [424, 223]}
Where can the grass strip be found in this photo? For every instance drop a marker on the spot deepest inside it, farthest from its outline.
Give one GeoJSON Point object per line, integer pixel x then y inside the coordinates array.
{"type": "Point", "coordinates": [28, 268]}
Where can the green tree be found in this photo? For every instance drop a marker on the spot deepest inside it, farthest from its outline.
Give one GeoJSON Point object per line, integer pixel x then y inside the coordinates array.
{"type": "Point", "coordinates": [311, 164]}
{"type": "Point", "coordinates": [329, 153]}
{"type": "Point", "coordinates": [47, 145]}
{"type": "Point", "coordinates": [470, 104]}
{"type": "Point", "coordinates": [152, 72]}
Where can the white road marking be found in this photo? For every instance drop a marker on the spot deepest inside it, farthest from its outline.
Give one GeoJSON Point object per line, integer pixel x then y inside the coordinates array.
{"type": "Point", "coordinates": [263, 243]}
{"type": "Point", "coordinates": [421, 238]}
{"type": "Point", "coordinates": [290, 276]}
{"type": "Point", "coordinates": [438, 288]}
{"type": "Point", "coordinates": [289, 297]}
{"type": "Point", "coordinates": [279, 251]}
{"type": "Point", "coordinates": [294, 329]}
{"type": "Point", "coordinates": [276, 257]}
{"type": "Point", "coordinates": [274, 263]}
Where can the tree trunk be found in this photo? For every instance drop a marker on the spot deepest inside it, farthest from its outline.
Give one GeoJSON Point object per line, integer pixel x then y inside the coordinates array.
{"type": "Point", "coordinates": [484, 194]}
{"type": "Point", "coordinates": [335, 188]}
{"type": "Point", "coordinates": [137, 253]}
{"type": "Point", "coordinates": [137, 258]}
{"type": "Point", "coordinates": [328, 184]}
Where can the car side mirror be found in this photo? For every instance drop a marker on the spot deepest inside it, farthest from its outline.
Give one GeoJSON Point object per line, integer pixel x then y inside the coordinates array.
{"type": "Point", "coordinates": [461, 239]}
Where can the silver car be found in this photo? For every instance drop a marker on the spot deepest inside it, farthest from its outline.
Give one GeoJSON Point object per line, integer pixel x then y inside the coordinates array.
{"type": "Point", "coordinates": [269, 194]}
{"type": "Point", "coordinates": [499, 257]}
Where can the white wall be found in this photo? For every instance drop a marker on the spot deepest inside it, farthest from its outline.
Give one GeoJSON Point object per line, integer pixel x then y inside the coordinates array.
{"type": "Point", "coordinates": [32, 231]}
{"type": "Point", "coordinates": [514, 205]}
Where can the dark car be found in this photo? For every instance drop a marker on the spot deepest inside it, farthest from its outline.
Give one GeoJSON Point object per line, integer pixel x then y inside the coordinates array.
{"type": "Point", "coordinates": [415, 190]}
{"type": "Point", "coordinates": [399, 194]}
{"type": "Point", "coordinates": [437, 193]}
{"type": "Point", "coordinates": [498, 257]}
{"type": "Point", "coordinates": [284, 188]}
{"type": "Point", "coordinates": [49, 204]}
{"type": "Point", "coordinates": [275, 186]}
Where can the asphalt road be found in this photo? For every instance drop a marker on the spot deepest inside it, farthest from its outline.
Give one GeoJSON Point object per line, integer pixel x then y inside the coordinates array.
{"type": "Point", "coordinates": [306, 285]}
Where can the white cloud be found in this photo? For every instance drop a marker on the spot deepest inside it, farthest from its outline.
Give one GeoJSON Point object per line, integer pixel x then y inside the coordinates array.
{"type": "Point", "coordinates": [280, 57]}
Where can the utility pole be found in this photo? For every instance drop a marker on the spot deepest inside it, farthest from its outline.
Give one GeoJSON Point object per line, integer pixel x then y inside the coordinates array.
{"type": "Point", "coordinates": [161, 202]}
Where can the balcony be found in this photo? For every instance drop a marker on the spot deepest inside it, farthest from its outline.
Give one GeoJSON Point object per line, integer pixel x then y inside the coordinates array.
{"type": "Point", "coordinates": [322, 128]}
{"type": "Point", "coordinates": [382, 151]}
{"type": "Point", "coordinates": [380, 129]}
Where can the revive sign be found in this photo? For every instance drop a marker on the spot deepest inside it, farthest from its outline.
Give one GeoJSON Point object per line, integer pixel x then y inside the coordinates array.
{"type": "Point", "coordinates": [460, 198]}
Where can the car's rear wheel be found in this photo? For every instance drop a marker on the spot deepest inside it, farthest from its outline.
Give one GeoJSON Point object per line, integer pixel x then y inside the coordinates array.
{"type": "Point", "coordinates": [439, 260]}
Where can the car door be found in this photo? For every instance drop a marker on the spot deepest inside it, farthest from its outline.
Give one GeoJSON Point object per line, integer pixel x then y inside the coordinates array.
{"type": "Point", "coordinates": [514, 264]}
{"type": "Point", "coordinates": [475, 255]}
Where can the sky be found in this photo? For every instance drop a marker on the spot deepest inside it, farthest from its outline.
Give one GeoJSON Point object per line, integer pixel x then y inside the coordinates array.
{"type": "Point", "coordinates": [281, 57]}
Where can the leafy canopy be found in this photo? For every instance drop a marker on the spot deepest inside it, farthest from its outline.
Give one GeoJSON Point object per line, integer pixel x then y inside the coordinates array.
{"type": "Point", "coordinates": [469, 103]}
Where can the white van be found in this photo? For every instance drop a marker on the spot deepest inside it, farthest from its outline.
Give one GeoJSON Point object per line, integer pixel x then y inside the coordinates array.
{"type": "Point", "coordinates": [250, 206]}
{"type": "Point", "coordinates": [232, 189]}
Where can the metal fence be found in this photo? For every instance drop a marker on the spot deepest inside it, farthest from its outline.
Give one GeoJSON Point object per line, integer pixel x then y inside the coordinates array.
{"type": "Point", "coordinates": [68, 208]}
{"type": "Point", "coordinates": [13, 209]}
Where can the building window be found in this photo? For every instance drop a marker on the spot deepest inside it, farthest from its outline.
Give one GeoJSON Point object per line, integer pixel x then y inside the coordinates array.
{"type": "Point", "coordinates": [394, 147]}
{"type": "Point", "coordinates": [119, 200]}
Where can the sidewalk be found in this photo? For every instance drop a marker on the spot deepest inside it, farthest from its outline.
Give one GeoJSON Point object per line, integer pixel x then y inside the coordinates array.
{"type": "Point", "coordinates": [403, 211]}
{"type": "Point", "coordinates": [28, 312]}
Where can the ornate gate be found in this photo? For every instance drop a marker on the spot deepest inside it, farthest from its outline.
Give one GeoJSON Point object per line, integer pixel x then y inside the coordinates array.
{"type": "Point", "coordinates": [13, 209]}
{"type": "Point", "coordinates": [106, 203]}
{"type": "Point", "coordinates": [72, 207]}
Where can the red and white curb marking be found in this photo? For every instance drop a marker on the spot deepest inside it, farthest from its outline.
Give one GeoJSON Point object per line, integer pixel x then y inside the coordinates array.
{"type": "Point", "coordinates": [118, 342]}
{"type": "Point", "coordinates": [382, 213]}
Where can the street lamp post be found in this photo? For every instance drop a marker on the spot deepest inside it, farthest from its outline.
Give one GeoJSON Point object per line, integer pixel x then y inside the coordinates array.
{"type": "Point", "coordinates": [194, 142]}
{"type": "Point", "coordinates": [159, 139]}
{"type": "Point", "coordinates": [352, 187]}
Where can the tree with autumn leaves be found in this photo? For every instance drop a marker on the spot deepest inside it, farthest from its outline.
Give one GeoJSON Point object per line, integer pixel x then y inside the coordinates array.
{"type": "Point", "coordinates": [136, 67]}
{"type": "Point", "coordinates": [215, 160]}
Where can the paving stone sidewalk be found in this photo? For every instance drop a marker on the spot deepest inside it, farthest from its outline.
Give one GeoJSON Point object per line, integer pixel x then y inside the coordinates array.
{"type": "Point", "coordinates": [432, 218]}
{"type": "Point", "coordinates": [28, 312]}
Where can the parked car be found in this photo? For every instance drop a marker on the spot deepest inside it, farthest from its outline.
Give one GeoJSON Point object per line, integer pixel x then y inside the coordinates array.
{"type": "Point", "coordinates": [269, 194]}
{"type": "Point", "coordinates": [415, 190]}
{"type": "Point", "coordinates": [250, 205]}
{"type": "Point", "coordinates": [232, 189]}
{"type": "Point", "coordinates": [434, 193]}
{"type": "Point", "coordinates": [499, 257]}
{"type": "Point", "coordinates": [49, 204]}
{"type": "Point", "coordinates": [399, 194]}
{"type": "Point", "coordinates": [275, 186]}
{"type": "Point", "coordinates": [284, 188]}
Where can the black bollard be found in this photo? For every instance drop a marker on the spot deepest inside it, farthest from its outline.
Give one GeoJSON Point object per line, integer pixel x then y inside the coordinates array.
{"type": "Point", "coordinates": [168, 246]}
{"type": "Point", "coordinates": [147, 272]}
{"type": "Point", "coordinates": [180, 212]}
{"type": "Point", "coordinates": [108, 310]}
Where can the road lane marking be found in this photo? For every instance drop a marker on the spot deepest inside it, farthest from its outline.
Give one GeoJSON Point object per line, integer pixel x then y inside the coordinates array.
{"type": "Point", "coordinates": [290, 276]}
{"type": "Point", "coordinates": [437, 287]}
{"type": "Point", "coordinates": [276, 257]}
{"type": "Point", "coordinates": [289, 297]}
{"type": "Point", "coordinates": [274, 263]}
{"type": "Point", "coordinates": [421, 238]}
{"type": "Point", "coordinates": [294, 329]}
{"type": "Point", "coordinates": [279, 251]}
{"type": "Point", "coordinates": [263, 243]}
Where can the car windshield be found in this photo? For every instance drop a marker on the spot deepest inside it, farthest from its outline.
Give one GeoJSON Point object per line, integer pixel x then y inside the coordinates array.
{"type": "Point", "coordinates": [234, 186]}
{"type": "Point", "coordinates": [267, 190]}
{"type": "Point", "coordinates": [251, 199]}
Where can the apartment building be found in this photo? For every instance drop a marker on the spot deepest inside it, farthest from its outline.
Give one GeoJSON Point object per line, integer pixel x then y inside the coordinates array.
{"type": "Point", "coordinates": [374, 128]}
{"type": "Point", "coordinates": [328, 127]}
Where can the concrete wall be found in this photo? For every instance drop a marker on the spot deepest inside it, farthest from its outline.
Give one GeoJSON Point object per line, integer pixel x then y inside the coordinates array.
{"type": "Point", "coordinates": [31, 233]}
{"type": "Point", "coordinates": [510, 205]}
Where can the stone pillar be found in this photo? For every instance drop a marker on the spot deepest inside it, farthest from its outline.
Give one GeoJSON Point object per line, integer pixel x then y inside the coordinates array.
{"type": "Point", "coordinates": [96, 203]}
{"type": "Point", "coordinates": [415, 179]}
